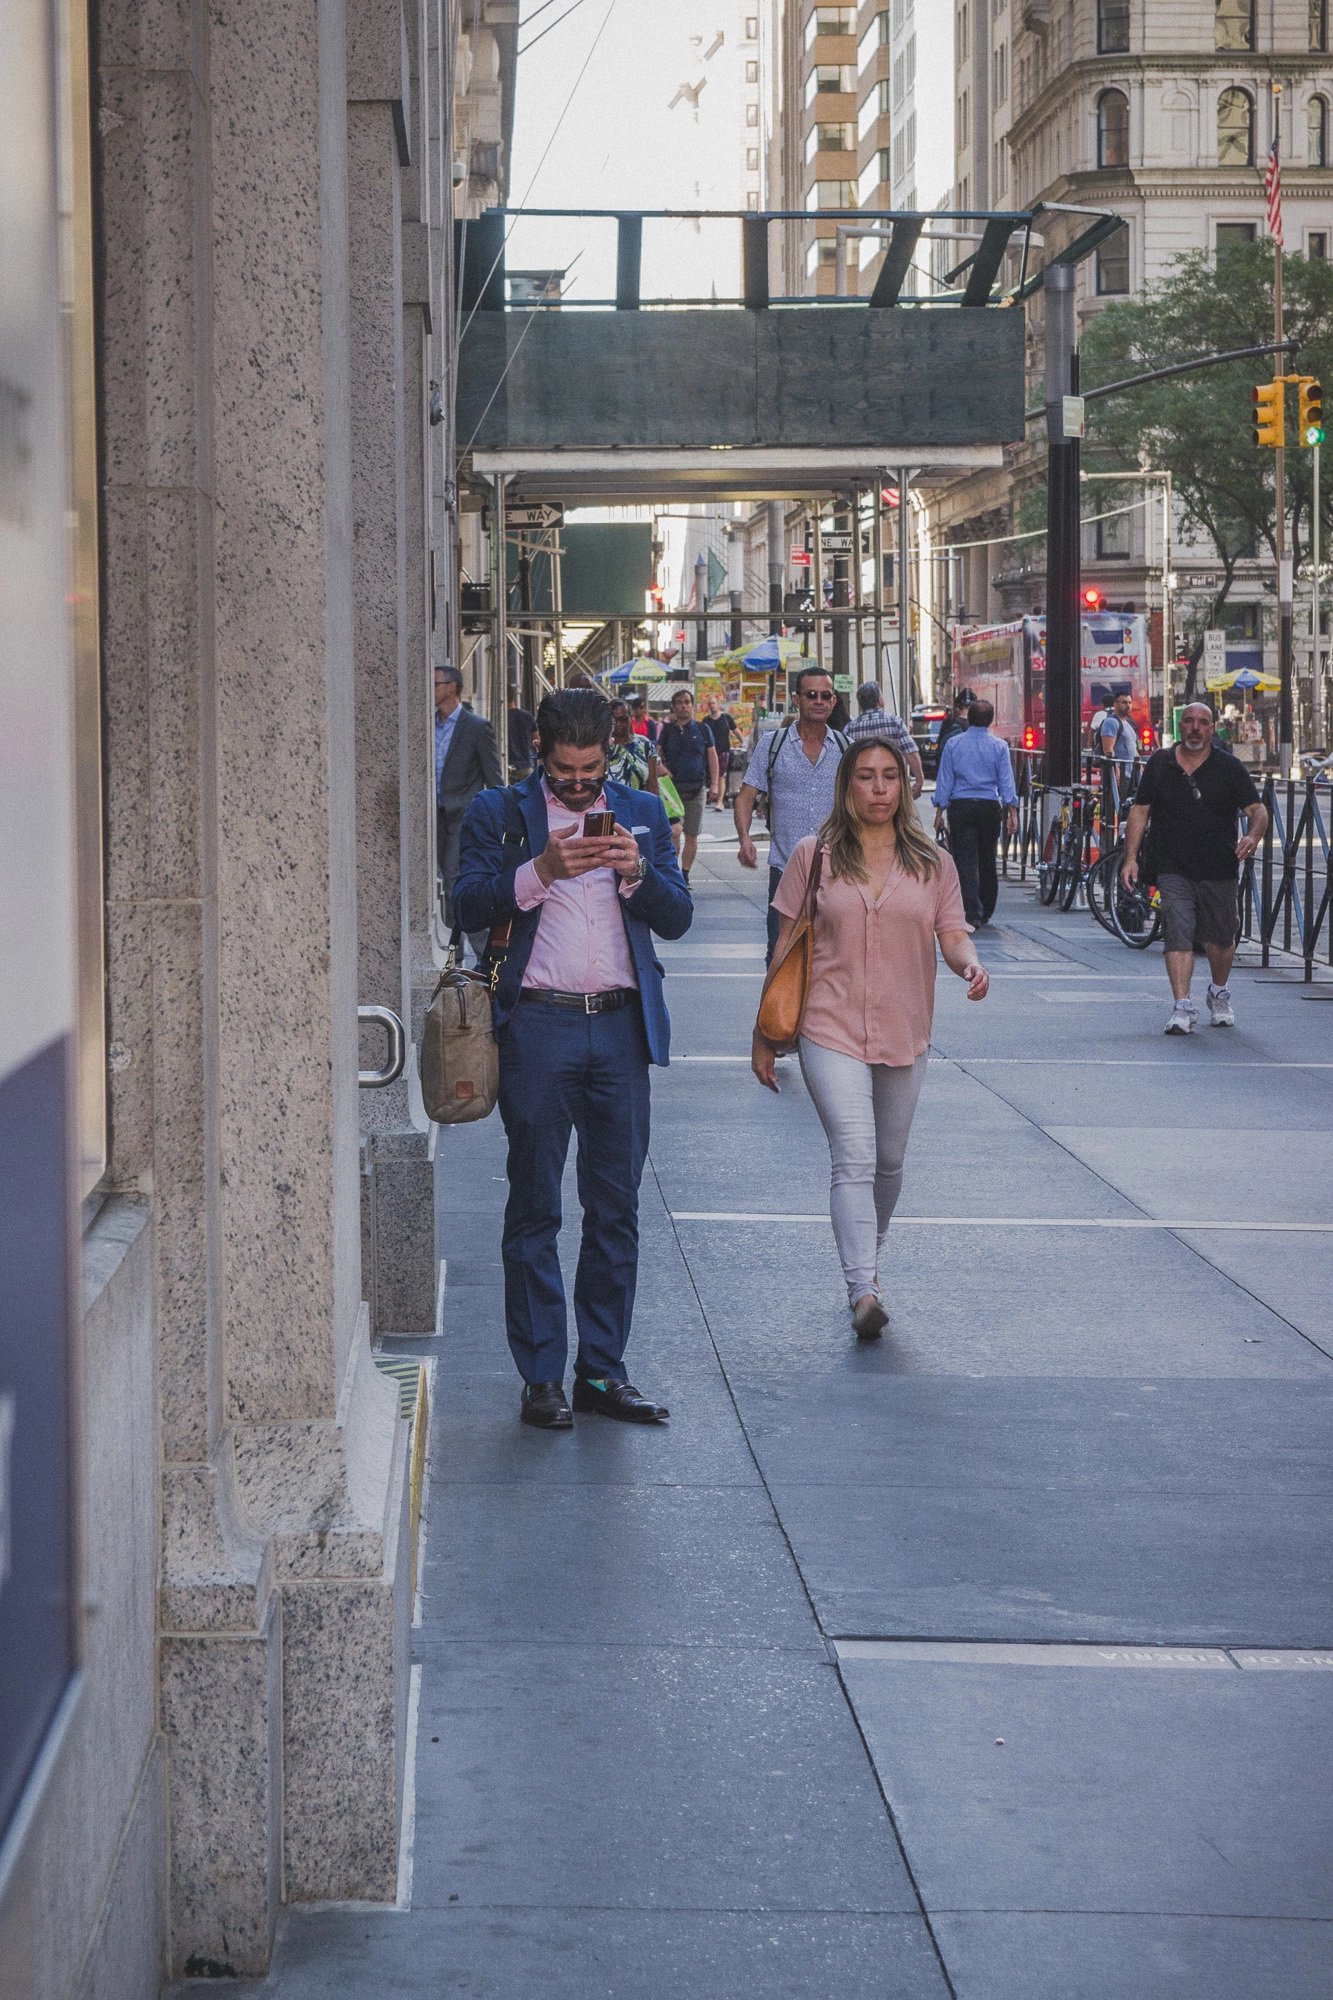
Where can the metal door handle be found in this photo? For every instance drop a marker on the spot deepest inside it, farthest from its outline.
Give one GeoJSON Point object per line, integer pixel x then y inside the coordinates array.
{"type": "Point", "coordinates": [375, 1079]}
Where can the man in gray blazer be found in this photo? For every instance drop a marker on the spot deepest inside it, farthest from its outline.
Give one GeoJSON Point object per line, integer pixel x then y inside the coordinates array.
{"type": "Point", "coordinates": [466, 762]}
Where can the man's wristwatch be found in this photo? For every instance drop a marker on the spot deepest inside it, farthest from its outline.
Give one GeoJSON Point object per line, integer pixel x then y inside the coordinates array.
{"type": "Point", "coordinates": [640, 871]}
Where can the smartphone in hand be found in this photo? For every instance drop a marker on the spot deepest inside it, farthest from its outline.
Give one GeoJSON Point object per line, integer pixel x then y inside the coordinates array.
{"type": "Point", "coordinates": [598, 826]}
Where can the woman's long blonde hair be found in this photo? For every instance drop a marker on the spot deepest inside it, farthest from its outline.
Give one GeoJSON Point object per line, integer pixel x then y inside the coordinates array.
{"type": "Point", "coordinates": [841, 831]}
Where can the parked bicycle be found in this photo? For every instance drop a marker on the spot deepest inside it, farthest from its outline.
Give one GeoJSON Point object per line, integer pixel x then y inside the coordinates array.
{"type": "Point", "coordinates": [1133, 915]}
{"type": "Point", "coordinates": [1071, 849]}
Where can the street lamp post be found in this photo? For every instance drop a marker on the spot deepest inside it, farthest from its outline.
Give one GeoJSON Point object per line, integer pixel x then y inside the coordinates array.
{"type": "Point", "coordinates": [777, 564]}
{"type": "Point", "coordinates": [1064, 675]}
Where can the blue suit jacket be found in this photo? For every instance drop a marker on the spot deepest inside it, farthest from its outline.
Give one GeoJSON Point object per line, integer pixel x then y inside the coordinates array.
{"type": "Point", "coordinates": [490, 856]}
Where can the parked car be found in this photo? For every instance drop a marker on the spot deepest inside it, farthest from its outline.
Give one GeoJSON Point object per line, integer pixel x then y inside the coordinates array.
{"type": "Point", "coordinates": [927, 721]}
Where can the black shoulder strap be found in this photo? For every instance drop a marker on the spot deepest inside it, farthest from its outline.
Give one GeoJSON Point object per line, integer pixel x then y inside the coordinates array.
{"type": "Point", "coordinates": [515, 828]}
{"type": "Point", "coordinates": [776, 742]}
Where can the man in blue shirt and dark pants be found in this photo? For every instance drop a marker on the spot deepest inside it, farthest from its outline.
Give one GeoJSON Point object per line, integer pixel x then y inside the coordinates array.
{"type": "Point", "coordinates": [974, 782]}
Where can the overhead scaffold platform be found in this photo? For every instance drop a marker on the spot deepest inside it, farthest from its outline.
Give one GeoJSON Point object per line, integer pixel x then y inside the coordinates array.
{"type": "Point", "coordinates": [634, 401]}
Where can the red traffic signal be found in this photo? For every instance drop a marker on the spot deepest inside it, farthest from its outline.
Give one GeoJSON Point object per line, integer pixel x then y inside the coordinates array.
{"type": "Point", "coordinates": [1092, 599]}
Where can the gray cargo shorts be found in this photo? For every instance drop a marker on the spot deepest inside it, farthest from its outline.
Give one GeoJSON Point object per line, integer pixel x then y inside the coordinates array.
{"type": "Point", "coordinates": [1198, 913]}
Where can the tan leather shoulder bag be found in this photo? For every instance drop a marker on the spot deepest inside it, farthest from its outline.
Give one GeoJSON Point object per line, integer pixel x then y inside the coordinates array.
{"type": "Point", "coordinates": [787, 988]}
{"type": "Point", "coordinates": [460, 1061]}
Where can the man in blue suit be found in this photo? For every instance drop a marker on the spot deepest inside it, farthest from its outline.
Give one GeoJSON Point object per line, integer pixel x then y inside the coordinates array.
{"type": "Point", "coordinates": [579, 1015]}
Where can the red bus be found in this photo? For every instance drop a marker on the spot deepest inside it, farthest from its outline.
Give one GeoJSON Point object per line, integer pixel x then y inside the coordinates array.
{"type": "Point", "coordinates": [1006, 665]}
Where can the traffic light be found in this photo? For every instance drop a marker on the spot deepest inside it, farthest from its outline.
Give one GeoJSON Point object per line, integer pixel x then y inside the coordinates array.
{"type": "Point", "coordinates": [1312, 411]}
{"type": "Point", "coordinates": [1270, 413]}
{"type": "Point", "coordinates": [1092, 599]}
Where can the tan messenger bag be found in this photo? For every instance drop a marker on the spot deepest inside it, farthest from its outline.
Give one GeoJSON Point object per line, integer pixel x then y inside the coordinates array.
{"type": "Point", "coordinates": [460, 1062]}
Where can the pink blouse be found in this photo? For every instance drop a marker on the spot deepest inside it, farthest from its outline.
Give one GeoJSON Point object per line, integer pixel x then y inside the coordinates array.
{"type": "Point", "coordinates": [872, 985]}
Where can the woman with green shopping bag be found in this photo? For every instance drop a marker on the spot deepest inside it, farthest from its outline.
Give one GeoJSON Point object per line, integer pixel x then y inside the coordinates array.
{"type": "Point", "coordinates": [634, 762]}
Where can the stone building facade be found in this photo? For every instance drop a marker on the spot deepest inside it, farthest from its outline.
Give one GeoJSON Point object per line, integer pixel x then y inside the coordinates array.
{"type": "Point", "coordinates": [241, 220]}
{"type": "Point", "coordinates": [1164, 114]}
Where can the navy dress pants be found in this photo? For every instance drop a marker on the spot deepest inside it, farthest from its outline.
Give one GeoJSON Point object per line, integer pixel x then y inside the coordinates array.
{"type": "Point", "coordinates": [974, 831]}
{"type": "Point", "coordinates": [564, 1071]}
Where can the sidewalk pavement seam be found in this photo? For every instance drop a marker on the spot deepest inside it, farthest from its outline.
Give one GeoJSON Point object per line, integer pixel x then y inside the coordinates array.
{"type": "Point", "coordinates": [782, 1530]}
{"type": "Point", "coordinates": [1177, 1229]}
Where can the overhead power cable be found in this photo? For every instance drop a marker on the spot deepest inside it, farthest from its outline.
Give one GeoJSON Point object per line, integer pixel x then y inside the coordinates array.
{"type": "Point", "coordinates": [564, 110]}
{"type": "Point", "coordinates": [550, 25]}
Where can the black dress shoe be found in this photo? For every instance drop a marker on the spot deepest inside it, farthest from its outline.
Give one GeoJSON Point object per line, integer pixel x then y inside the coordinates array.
{"type": "Point", "coordinates": [544, 1407]}
{"type": "Point", "coordinates": [619, 1400]}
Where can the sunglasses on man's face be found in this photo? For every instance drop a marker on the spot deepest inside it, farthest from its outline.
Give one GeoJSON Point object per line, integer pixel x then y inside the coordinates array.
{"type": "Point", "coordinates": [819, 694]}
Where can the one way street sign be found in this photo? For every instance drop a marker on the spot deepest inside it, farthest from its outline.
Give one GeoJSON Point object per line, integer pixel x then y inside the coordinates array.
{"type": "Point", "coordinates": [541, 514]}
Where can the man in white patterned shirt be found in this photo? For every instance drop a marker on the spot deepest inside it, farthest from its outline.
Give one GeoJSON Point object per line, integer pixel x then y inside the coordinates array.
{"type": "Point", "coordinates": [875, 720]}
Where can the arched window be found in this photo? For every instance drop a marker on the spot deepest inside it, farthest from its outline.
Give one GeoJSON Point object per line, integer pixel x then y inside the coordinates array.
{"type": "Point", "coordinates": [1113, 129]}
{"type": "Point", "coordinates": [1316, 132]}
{"type": "Point", "coordinates": [1235, 129]}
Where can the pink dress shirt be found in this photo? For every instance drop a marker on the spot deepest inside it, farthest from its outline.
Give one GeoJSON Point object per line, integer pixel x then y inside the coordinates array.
{"type": "Point", "coordinates": [872, 977]}
{"type": "Point", "coordinates": [580, 946]}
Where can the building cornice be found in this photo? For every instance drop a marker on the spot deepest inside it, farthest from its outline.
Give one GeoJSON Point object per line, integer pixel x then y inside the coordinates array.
{"type": "Point", "coordinates": [1102, 71]}
{"type": "Point", "coordinates": [1117, 186]}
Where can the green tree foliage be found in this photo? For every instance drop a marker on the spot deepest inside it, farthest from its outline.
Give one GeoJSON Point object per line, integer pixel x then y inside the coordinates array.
{"type": "Point", "coordinates": [1198, 427]}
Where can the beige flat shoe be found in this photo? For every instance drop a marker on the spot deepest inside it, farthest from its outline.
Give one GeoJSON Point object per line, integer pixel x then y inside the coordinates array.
{"type": "Point", "coordinates": [869, 1318]}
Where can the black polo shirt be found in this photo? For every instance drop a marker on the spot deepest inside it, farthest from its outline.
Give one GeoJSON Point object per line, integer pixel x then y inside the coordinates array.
{"type": "Point", "coordinates": [1196, 837]}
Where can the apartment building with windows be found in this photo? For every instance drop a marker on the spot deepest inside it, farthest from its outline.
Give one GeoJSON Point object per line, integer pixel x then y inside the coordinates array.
{"type": "Point", "coordinates": [1163, 113]}
{"type": "Point", "coordinates": [905, 151]}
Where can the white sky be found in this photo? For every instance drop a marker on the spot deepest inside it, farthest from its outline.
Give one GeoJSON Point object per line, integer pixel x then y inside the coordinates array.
{"type": "Point", "coordinates": [622, 144]}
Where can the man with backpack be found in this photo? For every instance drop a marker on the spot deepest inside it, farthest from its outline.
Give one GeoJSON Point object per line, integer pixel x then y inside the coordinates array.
{"type": "Point", "coordinates": [687, 749]}
{"type": "Point", "coordinates": [795, 767]}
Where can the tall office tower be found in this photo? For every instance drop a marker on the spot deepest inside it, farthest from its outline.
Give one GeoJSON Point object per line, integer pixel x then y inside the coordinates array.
{"type": "Point", "coordinates": [904, 152]}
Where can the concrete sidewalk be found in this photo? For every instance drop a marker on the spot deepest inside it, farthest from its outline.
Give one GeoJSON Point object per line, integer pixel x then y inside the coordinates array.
{"type": "Point", "coordinates": [993, 1660]}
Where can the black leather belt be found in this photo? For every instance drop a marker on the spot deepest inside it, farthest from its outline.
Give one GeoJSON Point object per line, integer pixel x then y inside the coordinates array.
{"type": "Point", "coordinates": [587, 1003]}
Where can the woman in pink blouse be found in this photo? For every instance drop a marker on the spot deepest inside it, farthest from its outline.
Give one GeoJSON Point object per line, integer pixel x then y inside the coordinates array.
{"type": "Point", "coordinates": [887, 892]}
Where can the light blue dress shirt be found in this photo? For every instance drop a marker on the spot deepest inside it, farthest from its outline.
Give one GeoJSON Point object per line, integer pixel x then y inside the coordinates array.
{"type": "Point", "coordinates": [975, 765]}
{"type": "Point", "coordinates": [444, 736]}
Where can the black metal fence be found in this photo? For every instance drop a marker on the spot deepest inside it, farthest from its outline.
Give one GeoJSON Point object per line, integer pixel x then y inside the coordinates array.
{"type": "Point", "coordinates": [1286, 884]}
{"type": "Point", "coordinates": [1285, 901]}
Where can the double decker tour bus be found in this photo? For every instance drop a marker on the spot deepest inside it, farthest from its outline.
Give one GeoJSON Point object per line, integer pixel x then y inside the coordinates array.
{"type": "Point", "coordinates": [1006, 665]}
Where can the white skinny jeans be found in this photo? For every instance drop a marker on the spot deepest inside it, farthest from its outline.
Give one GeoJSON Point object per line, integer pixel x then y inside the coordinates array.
{"type": "Point", "coordinates": [866, 1110]}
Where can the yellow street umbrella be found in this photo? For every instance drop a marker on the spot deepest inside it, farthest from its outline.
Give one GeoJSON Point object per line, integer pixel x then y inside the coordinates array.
{"type": "Point", "coordinates": [1247, 680]}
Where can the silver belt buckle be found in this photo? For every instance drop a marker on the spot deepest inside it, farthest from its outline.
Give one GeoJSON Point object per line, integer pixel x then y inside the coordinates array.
{"type": "Point", "coordinates": [588, 999]}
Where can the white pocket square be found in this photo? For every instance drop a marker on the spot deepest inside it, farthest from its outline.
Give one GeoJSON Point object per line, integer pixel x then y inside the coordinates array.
{"type": "Point", "coordinates": [638, 829]}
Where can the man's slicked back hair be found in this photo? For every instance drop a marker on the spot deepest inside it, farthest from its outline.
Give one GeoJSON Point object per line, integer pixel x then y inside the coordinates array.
{"type": "Point", "coordinates": [580, 718]}
{"type": "Point", "coordinates": [981, 714]}
{"type": "Point", "coordinates": [868, 696]}
{"type": "Point", "coordinates": [806, 673]}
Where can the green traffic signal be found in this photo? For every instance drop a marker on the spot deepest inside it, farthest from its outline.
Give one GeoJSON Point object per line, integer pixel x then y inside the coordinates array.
{"type": "Point", "coordinates": [1311, 397]}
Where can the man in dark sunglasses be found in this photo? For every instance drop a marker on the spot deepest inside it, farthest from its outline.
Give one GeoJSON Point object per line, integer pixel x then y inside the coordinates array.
{"type": "Point", "coordinates": [1191, 794]}
{"type": "Point", "coordinates": [795, 765]}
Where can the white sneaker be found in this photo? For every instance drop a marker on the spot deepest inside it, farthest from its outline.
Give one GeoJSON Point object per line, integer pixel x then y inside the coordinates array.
{"type": "Point", "coordinates": [1183, 1016]}
{"type": "Point", "coordinates": [1219, 1006]}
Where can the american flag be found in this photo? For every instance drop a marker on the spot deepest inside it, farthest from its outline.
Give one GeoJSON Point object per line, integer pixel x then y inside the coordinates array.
{"type": "Point", "coordinates": [1273, 190]}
